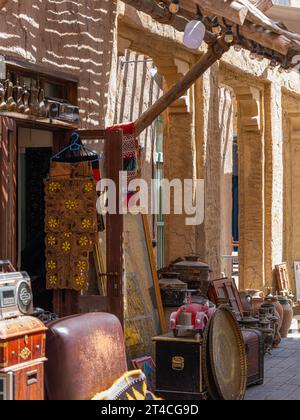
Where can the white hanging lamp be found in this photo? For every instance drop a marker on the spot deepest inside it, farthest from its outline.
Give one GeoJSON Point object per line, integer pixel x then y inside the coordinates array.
{"type": "Point", "coordinates": [194, 34]}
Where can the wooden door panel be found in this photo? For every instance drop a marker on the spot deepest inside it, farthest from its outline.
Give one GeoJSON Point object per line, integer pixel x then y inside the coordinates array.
{"type": "Point", "coordinates": [8, 190]}
{"type": "Point", "coordinates": [69, 302]}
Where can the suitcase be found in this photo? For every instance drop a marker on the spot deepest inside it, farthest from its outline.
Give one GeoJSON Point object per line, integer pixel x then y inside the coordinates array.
{"type": "Point", "coordinates": [254, 344]}
{"type": "Point", "coordinates": [179, 368]}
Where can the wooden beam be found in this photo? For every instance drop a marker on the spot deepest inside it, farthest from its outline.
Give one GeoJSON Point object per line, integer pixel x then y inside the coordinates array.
{"type": "Point", "coordinates": [3, 3]}
{"type": "Point", "coordinates": [265, 38]}
{"type": "Point", "coordinates": [160, 12]}
{"type": "Point", "coordinates": [259, 18]}
{"type": "Point", "coordinates": [263, 5]}
{"type": "Point", "coordinates": [181, 87]}
{"type": "Point", "coordinates": [253, 32]}
{"type": "Point", "coordinates": [230, 9]}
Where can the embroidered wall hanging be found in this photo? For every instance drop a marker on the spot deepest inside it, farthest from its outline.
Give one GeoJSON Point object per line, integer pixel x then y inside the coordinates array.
{"type": "Point", "coordinates": [130, 150]}
{"type": "Point", "coordinates": [71, 225]}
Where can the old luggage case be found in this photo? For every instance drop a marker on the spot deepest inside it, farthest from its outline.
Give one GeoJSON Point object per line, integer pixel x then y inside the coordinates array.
{"type": "Point", "coordinates": [179, 367]}
{"type": "Point", "coordinates": [21, 340]}
{"type": "Point", "coordinates": [254, 344]}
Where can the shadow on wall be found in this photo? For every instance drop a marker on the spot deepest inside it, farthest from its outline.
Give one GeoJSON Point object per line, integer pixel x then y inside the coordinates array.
{"type": "Point", "coordinates": [137, 90]}
{"type": "Point", "coordinates": [75, 37]}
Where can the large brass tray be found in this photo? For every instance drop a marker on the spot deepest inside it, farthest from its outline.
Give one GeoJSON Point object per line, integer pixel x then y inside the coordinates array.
{"type": "Point", "coordinates": [224, 363]}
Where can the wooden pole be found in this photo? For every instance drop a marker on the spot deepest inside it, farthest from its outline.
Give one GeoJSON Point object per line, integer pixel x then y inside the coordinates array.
{"type": "Point", "coordinates": [181, 87]}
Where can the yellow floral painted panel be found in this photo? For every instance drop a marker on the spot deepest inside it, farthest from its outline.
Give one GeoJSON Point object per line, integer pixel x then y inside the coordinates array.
{"type": "Point", "coordinates": [70, 225]}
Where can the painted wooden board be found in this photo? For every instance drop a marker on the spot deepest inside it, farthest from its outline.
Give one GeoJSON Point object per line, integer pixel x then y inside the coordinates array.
{"type": "Point", "coordinates": [142, 312]}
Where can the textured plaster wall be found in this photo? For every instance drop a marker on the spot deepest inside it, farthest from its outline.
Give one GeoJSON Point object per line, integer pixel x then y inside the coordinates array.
{"type": "Point", "coordinates": [83, 38]}
{"type": "Point", "coordinates": [136, 91]}
{"type": "Point", "coordinates": [75, 37]}
{"type": "Point", "coordinates": [211, 171]}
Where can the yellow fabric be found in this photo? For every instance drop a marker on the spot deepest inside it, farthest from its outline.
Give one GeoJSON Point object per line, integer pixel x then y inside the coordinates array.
{"type": "Point", "coordinates": [122, 383]}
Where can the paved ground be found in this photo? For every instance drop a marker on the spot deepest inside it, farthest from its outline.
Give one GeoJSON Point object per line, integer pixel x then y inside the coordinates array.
{"type": "Point", "coordinates": [282, 373]}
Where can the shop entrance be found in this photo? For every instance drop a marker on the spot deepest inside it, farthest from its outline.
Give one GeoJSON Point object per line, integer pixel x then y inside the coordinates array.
{"type": "Point", "coordinates": [35, 148]}
{"type": "Point", "coordinates": [25, 155]}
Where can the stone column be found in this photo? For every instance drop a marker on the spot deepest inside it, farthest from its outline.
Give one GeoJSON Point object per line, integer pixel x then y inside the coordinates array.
{"type": "Point", "coordinates": [214, 128]}
{"type": "Point", "coordinates": [291, 230]}
{"type": "Point", "coordinates": [179, 157]}
{"type": "Point", "coordinates": [273, 180]}
{"type": "Point", "coordinates": [251, 188]}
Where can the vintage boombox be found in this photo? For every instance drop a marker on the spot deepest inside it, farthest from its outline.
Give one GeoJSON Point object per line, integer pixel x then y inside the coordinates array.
{"type": "Point", "coordinates": [15, 295]}
{"type": "Point", "coordinates": [63, 111]}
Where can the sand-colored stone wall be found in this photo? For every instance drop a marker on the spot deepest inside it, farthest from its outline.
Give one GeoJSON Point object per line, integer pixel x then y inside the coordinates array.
{"type": "Point", "coordinates": [73, 37]}
{"type": "Point", "coordinates": [260, 153]}
{"type": "Point", "coordinates": [86, 39]}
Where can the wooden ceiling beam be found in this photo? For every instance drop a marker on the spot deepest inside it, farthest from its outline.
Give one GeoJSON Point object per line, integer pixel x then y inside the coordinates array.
{"type": "Point", "coordinates": [263, 5]}
{"type": "Point", "coordinates": [259, 33]}
{"type": "Point", "coordinates": [160, 12]}
{"type": "Point", "coordinates": [266, 39]}
{"type": "Point", "coordinates": [258, 17]}
{"type": "Point", "coordinates": [231, 9]}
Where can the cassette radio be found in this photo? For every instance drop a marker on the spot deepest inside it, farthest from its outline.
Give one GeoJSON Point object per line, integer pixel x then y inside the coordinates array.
{"type": "Point", "coordinates": [15, 295]}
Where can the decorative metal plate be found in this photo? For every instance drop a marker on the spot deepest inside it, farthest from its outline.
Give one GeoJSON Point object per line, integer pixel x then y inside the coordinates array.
{"type": "Point", "coordinates": [228, 362]}
{"type": "Point", "coordinates": [207, 373]}
{"type": "Point", "coordinates": [224, 357]}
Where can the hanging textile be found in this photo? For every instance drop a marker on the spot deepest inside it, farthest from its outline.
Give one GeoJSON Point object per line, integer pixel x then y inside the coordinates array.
{"type": "Point", "coordinates": [71, 222]}
{"type": "Point", "coordinates": [130, 150]}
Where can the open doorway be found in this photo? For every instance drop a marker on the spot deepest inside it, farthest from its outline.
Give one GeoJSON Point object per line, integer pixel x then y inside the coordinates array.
{"type": "Point", "coordinates": [34, 153]}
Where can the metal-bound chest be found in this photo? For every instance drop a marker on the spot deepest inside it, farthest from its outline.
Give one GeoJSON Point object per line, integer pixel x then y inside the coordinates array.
{"type": "Point", "coordinates": [22, 340]}
{"type": "Point", "coordinates": [194, 273]}
{"type": "Point", "coordinates": [254, 344]}
{"type": "Point", "coordinates": [179, 367]}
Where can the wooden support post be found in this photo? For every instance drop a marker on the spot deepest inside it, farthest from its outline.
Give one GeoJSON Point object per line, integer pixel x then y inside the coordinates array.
{"type": "Point", "coordinates": [114, 230]}
{"type": "Point", "coordinates": [180, 88]}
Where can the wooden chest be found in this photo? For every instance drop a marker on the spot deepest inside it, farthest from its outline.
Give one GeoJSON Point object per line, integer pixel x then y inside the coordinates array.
{"type": "Point", "coordinates": [254, 343]}
{"type": "Point", "coordinates": [179, 368]}
{"type": "Point", "coordinates": [23, 383]}
{"type": "Point", "coordinates": [22, 340]}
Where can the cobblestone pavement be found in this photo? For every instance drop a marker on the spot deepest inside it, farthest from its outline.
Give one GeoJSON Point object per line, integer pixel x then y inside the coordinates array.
{"type": "Point", "coordinates": [282, 373]}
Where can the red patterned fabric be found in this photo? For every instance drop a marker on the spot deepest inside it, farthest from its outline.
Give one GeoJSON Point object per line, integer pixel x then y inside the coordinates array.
{"type": "Point", "coordinates": [130, 149]}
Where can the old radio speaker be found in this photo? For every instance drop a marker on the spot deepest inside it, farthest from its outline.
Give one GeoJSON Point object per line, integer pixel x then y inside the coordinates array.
{"type": "Point", "coordinates": [15, 295]}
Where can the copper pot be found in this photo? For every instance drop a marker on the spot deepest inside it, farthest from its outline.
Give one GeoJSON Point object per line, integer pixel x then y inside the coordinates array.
{"type": "Point", "coordinates": [257, 302]}
{"type": "Point", "coordinates": [278, 307]}
{"type": "Point", "coordinates": [288, 314]}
